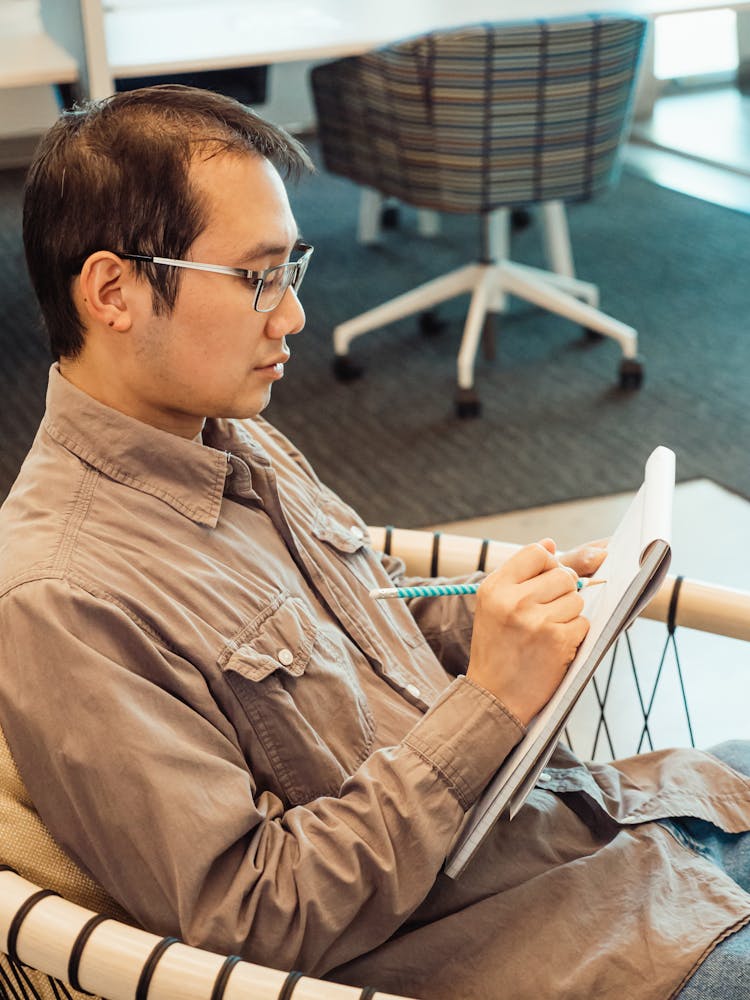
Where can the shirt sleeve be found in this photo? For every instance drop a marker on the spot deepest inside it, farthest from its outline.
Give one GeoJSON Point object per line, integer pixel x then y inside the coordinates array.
{"type": "Point", "coordinates": [140, 778]}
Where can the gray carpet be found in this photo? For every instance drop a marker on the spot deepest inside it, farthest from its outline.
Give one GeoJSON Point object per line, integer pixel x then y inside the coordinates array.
{"type": "Point", "coordinates": [554, 424]}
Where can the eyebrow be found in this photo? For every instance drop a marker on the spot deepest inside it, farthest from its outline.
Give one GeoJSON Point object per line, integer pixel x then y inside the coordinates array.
{"type": "Point", "coordinates": [269, 249]}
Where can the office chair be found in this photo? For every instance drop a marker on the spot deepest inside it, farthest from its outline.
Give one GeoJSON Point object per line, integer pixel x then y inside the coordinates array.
{"type": "Point", "coordinates": [69, 939]}
{"type": "Point", "coordinates": [480, 120]}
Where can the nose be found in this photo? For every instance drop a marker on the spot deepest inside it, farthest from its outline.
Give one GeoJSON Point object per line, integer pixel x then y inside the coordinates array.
{"type": "Point", "coordinates": [288, 317]}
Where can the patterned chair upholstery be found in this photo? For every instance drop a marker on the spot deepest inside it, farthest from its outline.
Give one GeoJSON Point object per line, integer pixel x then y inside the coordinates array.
{"type": "Point", "coordinates": [62, 936]}
{"type": "Point", "coordinates": [478, 120]}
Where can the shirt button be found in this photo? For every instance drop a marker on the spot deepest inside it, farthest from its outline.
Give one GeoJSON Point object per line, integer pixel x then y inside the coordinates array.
{"type": "Point", "coordinates": [357, 531]}
{"type": "Point", "coordinates": [413, 690]}
{"type": "Point", "coordinates": [285, 656]}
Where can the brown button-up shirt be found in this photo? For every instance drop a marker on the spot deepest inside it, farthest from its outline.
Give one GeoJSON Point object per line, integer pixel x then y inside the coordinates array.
{"type": "Point", "coordinates": [217, 723]}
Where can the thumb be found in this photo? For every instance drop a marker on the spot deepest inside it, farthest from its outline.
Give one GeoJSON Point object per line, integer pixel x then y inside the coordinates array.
{"type": "Point", "coordinates": [549, 545]}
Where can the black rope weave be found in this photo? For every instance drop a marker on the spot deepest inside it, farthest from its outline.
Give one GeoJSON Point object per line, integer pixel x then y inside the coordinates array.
{"type": "Point", "coordinates": [289, 983]}
{"type": "Point", "coordinates": [483, 554]}
{"type": "Point", "coordinates": [77, 950]}
{"type": "Point", "coordinates": [60, 990]}
{"type": "Point", "coordinates": [18, 919]}
{"type": "Point", "coordinates": [26, 989]}
{"type": "Point", "coordinates": [388, 539]}
{"type": "Point", "coordinates": [602, 725]}
{"type": "Point", "coordinates": [11, 991]}
{"type": "Point", "coordinates": [672, 613]}
{"type": "Point", "coordinates": [222, 978]}
{"type": "Point", "coordinates": [435, 558]}
{"type": "Point", "coordinates": [681, 679]}
{"type": "Point", "coordinates": [147, 972]}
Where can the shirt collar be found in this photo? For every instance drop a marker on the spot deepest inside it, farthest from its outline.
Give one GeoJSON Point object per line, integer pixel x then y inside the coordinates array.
{"type": "Point", "coordinates": [185, 474]}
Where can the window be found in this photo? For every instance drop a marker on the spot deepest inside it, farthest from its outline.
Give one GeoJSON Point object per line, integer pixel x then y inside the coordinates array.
{"type": "Point", "coordinates": [695, 45]}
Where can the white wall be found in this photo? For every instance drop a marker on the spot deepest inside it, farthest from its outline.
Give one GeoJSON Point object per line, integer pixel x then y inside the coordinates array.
{"type": "Point", "coordinates": [26, 111]}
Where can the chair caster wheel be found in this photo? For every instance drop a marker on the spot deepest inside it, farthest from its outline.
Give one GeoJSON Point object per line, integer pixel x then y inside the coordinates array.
{"type": "Point", "coordinates": [430, 323]}
{"type": "Point", "coordinates": [389, 217]}
{"type": "Point", "coordinates": [520, 218]}
{"type": "Point", "coordinates": [345, 370]}
{"type": "Point", "coordinates": [631, 373]}
{"type": "Point", "coordinates": [592, 336]}
{"type": "Point", "coordinates": [467, 404]}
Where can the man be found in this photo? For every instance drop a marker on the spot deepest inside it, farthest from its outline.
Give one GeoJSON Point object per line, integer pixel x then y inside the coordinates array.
{"type": "Point", "coordinates": [210, 715]}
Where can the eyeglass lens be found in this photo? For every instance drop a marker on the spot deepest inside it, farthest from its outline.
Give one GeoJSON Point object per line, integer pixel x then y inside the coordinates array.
{"type": "Point", "coordinates": [277, 281]}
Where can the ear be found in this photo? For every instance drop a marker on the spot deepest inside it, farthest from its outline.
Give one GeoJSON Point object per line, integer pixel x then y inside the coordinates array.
{"type": "Point", "coordinates": [106, 292]}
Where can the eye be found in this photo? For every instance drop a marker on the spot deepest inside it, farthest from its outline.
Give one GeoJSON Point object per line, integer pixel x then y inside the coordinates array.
{"type": "Point", "coordinates": [273, 277]}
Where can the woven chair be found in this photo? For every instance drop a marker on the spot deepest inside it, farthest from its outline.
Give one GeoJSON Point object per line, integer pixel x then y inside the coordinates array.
{"type": "Point", "coordinates": [55, 946]}
{"type": "Point", "coordinates": [478, 120]}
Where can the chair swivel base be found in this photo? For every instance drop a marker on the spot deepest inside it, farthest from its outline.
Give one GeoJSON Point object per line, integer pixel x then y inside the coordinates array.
{"type": "Point", "coordinates": [489, 284]}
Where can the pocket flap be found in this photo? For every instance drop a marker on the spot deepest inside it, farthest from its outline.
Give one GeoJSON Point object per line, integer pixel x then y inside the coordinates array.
{"type": "Point", "coordinates": [338, 525]}
{"type": "Point", "coordinates": [281, 638]}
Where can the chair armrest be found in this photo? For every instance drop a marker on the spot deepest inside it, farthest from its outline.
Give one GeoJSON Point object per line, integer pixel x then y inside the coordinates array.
{"type": "Point", "coordinates": [706, 607]}
{"type": "Point", "coordinates": [435, 553]}
{"type": "Point", "coordinates": [114, 957]}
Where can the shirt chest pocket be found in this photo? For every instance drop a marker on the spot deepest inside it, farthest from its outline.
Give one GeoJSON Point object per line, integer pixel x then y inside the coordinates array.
{"type": "Point", "coordinates": [293, 674]}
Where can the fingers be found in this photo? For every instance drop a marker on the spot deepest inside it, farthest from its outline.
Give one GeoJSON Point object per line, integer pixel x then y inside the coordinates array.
{"type": "Point", "coordinates": [565, 608]}
{"type": "Point", "coordinates": [530, 561]}
{"type": "Point", "coordinates": [540, 556]}
{"type": "Point", "coordinates": [586, 559]}
{"type": "Point", "coordinates": [570, 636]}
{"type": "Point", "coordinates": [577, 629]}
{"type": "Point", "coordinates": [551, 584]}
{"type": "Point", "coordinates": [535, 568]}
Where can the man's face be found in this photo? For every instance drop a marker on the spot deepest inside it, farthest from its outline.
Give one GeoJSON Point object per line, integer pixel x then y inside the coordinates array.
{"type": "Point", "coordinates": [214, 356]}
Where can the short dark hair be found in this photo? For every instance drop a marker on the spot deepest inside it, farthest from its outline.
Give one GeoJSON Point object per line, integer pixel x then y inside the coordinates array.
{"type": "Point", "coordinates": [114, 175]}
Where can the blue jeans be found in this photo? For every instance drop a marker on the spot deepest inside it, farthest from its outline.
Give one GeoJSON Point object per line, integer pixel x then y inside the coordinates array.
{"type": "Point", "coordinates": [725, 974]}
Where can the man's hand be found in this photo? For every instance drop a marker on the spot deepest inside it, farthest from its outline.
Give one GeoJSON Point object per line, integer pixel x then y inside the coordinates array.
{"type": "Point", "coordinates": [527, 628]}
{"type": "Point", "coordinates": [584, 560]}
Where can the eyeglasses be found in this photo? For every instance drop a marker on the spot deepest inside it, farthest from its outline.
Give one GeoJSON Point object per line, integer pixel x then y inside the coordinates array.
{"type": "Point", "coordinates": [270, 285]}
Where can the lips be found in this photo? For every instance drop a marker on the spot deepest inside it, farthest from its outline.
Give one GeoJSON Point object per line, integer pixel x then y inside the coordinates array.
{"type": "Point", "coordinates": [274, 370]}
{"type": "Point", "coordinates": [281, 361]}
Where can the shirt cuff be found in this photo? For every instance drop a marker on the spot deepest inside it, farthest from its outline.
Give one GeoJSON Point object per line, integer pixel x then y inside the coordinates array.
{"type": "Point", "coordinates": [465, 737]}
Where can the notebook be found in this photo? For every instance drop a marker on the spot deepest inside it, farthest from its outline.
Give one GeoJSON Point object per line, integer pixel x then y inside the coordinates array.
{"type": "Point", "coordinates": [637, 561]}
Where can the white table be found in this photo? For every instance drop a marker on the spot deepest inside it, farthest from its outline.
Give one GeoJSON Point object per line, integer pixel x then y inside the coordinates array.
{"type": "Point", "coordinates": [178, 35]}
{"type": "Point", "coordinates": [129, 38]}
{"type": "Point", "coordinates": [145, 38]}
